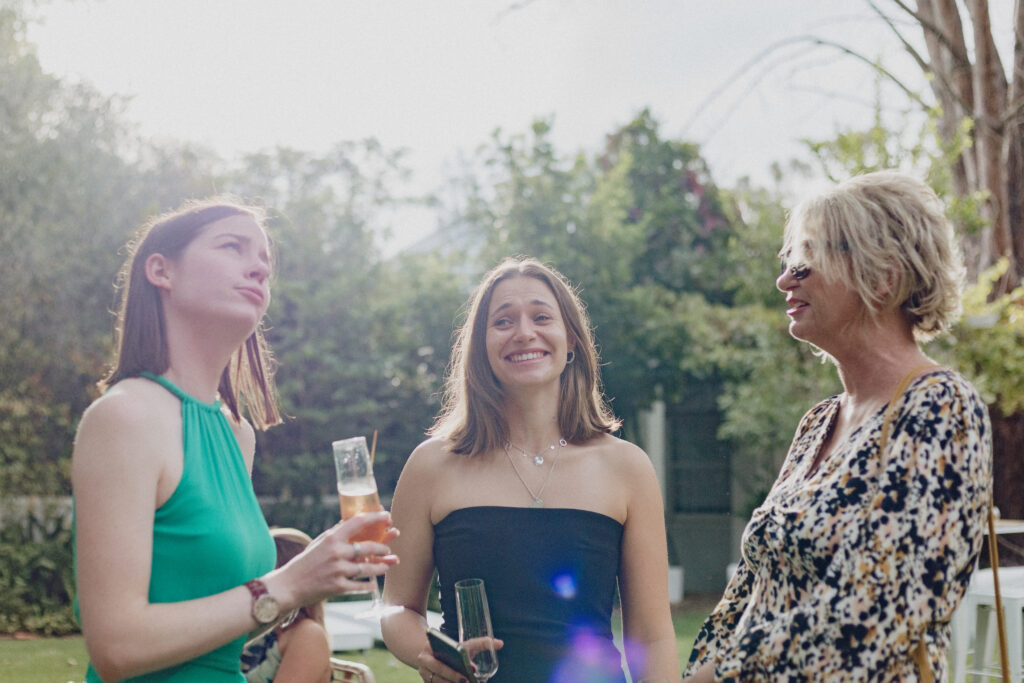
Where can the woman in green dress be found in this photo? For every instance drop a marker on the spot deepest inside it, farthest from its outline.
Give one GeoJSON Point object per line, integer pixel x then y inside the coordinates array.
{"type": "Point", "coordinates": [174, 561]}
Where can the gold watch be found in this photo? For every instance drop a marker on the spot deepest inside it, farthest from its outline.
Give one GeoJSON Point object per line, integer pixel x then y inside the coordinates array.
{"type": "Point", "coordinates": [265, 609]}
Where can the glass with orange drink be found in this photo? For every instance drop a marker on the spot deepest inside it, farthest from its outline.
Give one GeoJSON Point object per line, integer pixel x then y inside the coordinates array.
{"type": "Point", "coordinates": [357, 493]}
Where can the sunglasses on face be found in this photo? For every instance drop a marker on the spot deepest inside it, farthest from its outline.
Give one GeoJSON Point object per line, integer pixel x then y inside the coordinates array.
{"type": "Point", "coordinates": [798, 271]}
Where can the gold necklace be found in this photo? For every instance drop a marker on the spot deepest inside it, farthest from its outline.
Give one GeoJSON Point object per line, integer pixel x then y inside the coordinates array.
{"type": "Point", "coordinates": [538, 458]}
{"type": "Point", "coordinates": [538, 502]}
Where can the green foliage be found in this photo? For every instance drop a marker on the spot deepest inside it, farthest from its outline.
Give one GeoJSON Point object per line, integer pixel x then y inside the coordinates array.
{"type": "Point", "coordinates": [69, 198]}
{"type": "Point", "coordinates": [36, 569]}
{"type": "Point", "coordinates": [362, 342]}
{"type": "Point", "coordinates": [678, 277]}
{"type": "Point", "coordinates": [922, 150]}
{"type": "Point", "coordinates": [632, 228]}
{"type": "Point", "coordinates": [853, 152]}
{"type": "Point", "coordinates": [988, 342]}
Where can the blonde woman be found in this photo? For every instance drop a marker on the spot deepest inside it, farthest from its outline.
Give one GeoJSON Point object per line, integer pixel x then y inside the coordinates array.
{"type": "Point", "coordinates": [856, 561]}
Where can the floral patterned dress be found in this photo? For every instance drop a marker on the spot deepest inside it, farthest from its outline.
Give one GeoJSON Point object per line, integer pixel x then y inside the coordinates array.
{"type": "Point", "coordinates": [846, 568]}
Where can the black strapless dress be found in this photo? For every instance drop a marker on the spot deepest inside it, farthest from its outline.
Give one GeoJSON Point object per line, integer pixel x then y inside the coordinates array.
{"type": "Point", "coordinates": [550, 575]}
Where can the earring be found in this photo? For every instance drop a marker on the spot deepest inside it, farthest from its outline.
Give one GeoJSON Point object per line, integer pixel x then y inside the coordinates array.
{"type": "Point", "coordinates": [570, 357]}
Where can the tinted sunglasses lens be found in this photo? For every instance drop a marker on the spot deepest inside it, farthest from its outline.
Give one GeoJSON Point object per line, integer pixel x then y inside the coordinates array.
{"type": "Point", "coordinates": [799, 271]}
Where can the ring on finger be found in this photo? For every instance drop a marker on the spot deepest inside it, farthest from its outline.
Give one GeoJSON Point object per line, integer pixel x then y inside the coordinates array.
{"type": "Point", "coordinates": [357, 552]}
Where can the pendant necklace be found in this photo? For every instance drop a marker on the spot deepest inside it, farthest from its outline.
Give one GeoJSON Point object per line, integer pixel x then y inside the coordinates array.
{"type": "Point", "coordinates": [538, 502]}
{"type": "Point", "coordinates": [538, 459]}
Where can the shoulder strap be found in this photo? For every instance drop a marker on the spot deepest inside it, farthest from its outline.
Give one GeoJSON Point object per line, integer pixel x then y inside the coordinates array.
{"type": "Point", "coordinates": [166, 384]}
{"type": "Point", "coordinates": [179, 392]}
{"type": "Point", "coordinates": [890, 409]}
{"type": "Point", "coordinates": [920, 654]}
{"type": "Point", "coordinates": [993, 555]}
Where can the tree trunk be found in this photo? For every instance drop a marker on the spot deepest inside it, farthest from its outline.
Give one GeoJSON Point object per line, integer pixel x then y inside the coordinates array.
{"type": "Point", "coordinates": [980, 90]}
{"type": "Point", "coordinates": [1007, 475]}
{"type": "Point", "coordinates": [1013, 143]}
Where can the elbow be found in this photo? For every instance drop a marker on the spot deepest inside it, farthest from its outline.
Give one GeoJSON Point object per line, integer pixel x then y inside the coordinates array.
{"type": "Point", "coordinates": [387, 631]}
{"type": "Point", "coordinates": [112, 661]}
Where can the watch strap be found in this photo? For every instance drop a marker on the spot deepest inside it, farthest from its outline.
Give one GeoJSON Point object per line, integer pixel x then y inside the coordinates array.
{"type": "Point", "coordinates": [265, 609]}
{"type": "Point", "coordinates": [256, 588]}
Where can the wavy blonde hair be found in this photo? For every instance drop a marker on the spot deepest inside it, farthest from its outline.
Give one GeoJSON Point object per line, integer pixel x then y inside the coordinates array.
{"type": "Point", "coordinates": [885, 236]}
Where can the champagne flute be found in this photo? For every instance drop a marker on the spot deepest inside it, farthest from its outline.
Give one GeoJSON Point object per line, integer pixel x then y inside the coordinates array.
{"type": "Point", "coordinates": [475, 634]}
{"type": "Point", "coordinates": [357, 493]}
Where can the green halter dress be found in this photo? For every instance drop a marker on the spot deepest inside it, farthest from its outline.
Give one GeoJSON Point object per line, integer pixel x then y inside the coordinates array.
{"type": "Point", "coordinates": [210, 535]}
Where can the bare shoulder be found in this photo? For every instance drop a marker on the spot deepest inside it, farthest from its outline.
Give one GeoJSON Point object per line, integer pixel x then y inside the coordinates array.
{"type": "Point", "coordinates": [134, 409]}
{"type": "Point", "coordinates": [428, 456]}
{"type": "Point", "coordinates": [620, 454]}
{"type": "Point", "coordinates": [134, 429]}
{"type": "Point", "coordinates": [421, 482]}
{"type": "Point", "coordinates": [244, 434]}
{"type": "Point", "coordinates": [129, 399]}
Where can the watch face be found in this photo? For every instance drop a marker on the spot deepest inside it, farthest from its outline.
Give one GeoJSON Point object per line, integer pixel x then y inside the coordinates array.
{"type": "Point", "coordinates": [265, 609]}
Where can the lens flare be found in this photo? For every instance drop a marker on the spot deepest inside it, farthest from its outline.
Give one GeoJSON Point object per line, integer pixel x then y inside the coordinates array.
{"type": "Point", "coordinates": [565, 586]}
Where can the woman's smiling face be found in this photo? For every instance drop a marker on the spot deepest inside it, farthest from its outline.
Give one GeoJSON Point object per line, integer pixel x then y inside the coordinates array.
{"type": "Point", "coordinates": [526, 338]}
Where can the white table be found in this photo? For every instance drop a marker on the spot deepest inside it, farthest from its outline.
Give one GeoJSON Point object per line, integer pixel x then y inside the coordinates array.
{"type": "Point", "coordinates": [348, 633]}
{"type": "Point", "coordinates": [1008, 526]}
{"type": "Point", "coordinates": [964, 618]}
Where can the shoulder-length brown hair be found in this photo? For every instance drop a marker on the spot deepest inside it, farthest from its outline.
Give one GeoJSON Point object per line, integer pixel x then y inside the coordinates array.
{"type": "Point", "coordinates": [473, 416]}
{"type": "Point", "coordinates": [141, 335]}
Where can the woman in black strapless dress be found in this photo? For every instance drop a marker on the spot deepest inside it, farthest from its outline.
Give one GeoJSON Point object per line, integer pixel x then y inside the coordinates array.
{"type": "Point", "coordinates": [524, 486]}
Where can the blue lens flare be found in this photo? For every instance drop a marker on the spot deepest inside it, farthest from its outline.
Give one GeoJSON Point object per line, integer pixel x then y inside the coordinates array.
{"type": "Point", "coordinates": [565, 586]}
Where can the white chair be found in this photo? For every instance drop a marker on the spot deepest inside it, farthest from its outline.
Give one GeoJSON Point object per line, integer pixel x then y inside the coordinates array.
{"type": "Point", "coordinates": [343, 671]}
{"type": "Point", "coordinates": [971, 625]}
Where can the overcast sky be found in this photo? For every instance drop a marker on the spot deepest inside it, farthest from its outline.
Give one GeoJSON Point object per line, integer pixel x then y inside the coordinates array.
{"type": "Point", "coordinates": [438, 76]}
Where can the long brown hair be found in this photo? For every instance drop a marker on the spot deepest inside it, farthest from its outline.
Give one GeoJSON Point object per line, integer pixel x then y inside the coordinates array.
{"type": "Point", "coordinates": [473, 416]}
{"type": "Point", "coordinates": [141, 337]}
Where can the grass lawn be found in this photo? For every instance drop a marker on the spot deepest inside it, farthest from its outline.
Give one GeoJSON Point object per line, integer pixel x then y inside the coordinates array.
{"type": "Point", "coordinates": [63, 660]}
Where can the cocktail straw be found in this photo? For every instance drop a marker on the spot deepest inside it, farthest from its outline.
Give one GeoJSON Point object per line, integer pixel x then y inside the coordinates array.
{"type": "Point", "coordinates": [373, 446]}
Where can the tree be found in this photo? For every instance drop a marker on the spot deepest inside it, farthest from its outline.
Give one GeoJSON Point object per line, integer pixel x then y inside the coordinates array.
{"type": "Point", "coordinates": [633, 227]}
{"type": "Point", "coordinates": [677, 276]}
{"type": "Point", "coordinates": [69, 199]}
{"type": "Point", "coordinates": [976, 87]}
{"type": "Point", "coordinates": [357, 352]}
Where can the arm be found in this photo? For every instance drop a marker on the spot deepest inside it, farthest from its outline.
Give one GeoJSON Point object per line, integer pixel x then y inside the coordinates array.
{"type": "Point", "coordinates": [705, 674]}
{"type": "Point", "coordinates": [408, 584]}
{"type": "Point", "coordinates": [120, 465]}
{"type": "Point", "coordinates": [643, 576]}
{"type": "Point", "coordinates": [720, 624]}
{"type": "Point", "coordinates": [305, 654]}
{"type": "Point", "coordinates": [903, 570]}
{"type": "Point", "coordinates": [718, 628]}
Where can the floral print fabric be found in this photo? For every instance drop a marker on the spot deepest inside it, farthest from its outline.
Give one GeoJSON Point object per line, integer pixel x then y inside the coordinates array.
{"type": "Point", "coordinates": [846, 568]}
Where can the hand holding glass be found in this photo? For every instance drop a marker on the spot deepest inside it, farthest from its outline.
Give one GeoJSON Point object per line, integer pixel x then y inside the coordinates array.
{"type": "Point", "coordinates": [357, 492]}
{"type": "Point", "coordinates": [475, 632]}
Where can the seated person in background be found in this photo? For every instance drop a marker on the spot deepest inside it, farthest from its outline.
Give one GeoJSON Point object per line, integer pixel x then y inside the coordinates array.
{"type": "Point", "coordinates": [297, 650]}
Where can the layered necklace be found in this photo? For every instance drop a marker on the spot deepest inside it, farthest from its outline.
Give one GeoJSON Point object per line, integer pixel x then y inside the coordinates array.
{"type": "Point", "coordinates": [538, 460]}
